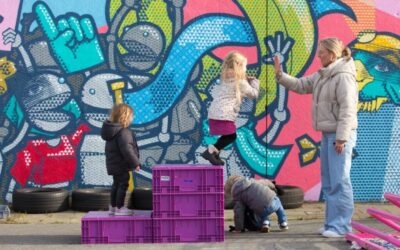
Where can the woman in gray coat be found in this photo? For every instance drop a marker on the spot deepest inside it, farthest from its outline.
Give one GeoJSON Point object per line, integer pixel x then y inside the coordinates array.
{"type": "Point", "coordinates": [334, 113]}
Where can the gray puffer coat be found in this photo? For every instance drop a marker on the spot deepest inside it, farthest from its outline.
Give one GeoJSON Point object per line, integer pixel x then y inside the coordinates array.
{"type": "Point", "coordinates": [253, 194]}
{"type": "Point", "coordinates": [335, 96]}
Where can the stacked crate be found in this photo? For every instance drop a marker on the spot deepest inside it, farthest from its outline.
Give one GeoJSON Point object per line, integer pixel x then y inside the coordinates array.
{"type": "Point", "coordinates": [100, 227]}
{"type": "Point", "coordinates": [188, 203]}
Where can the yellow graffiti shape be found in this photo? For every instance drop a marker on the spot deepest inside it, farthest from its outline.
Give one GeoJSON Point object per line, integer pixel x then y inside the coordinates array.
{"type": "Point", "coordinates": [7, 69]}
{"type": "Point", "coordinates": [308, 150]}
{"type": "Point", "coordinates": [307, 157]}
{"type": "Point", "coordinates": [373, 105]}
{"type": "Point", "coordinates": [362, 75]}
{"type": "Point", "coordinates": [381, 45]}
{"type": "Point", "coordinates": [363, 78]}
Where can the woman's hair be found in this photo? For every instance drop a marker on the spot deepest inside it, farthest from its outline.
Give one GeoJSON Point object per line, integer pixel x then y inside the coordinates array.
{"type": "Point", "coordinates": [229, 183]}
{"type": "Point", "coordinates": [234, 67]}
{"type": "Point", "coordinates": [122, 114]}
{"type": "Point", "coordinates": [336, 46]}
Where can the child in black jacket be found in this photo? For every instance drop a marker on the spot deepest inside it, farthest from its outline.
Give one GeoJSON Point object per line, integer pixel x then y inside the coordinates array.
{"type": "Point", "coordinates": [122, 154]}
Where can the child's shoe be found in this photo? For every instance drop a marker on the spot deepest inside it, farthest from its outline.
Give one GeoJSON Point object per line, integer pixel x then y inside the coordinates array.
{"type": "Point", "coordinates": [213, 158]}
{"type": "Point", "coordinates": [123, 211]}
{"type": "Point", "coordinates": [111, 210]}
{"type": "Point", "coordinates": [265, 228]}
{"type": "Point", "coordinates": [283, 226]}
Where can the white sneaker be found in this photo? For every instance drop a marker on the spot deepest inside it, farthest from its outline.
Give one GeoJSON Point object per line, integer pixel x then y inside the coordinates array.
{"type": "Point", "coordinates": [331, 234]}
{"type": "Point", "coordinates": [283, 226]}
{"type": "Point", "coordinates": [123, 211]}
{"type": "Point", "coordinates": [111, 210]}
{"type": "Point", "coordinates": [321, 230]}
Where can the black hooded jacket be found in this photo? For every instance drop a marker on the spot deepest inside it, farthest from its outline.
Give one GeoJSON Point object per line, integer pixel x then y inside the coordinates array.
{"type": "Point", "coordinates": [122, 152]}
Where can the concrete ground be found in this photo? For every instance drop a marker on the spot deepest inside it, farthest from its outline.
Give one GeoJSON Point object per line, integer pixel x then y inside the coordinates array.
{"type": "Point", "coordinates": [57, 230]}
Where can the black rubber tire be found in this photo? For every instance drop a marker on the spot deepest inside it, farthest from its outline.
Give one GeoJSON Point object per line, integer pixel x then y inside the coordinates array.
{"type": "Point", "coordinates": [93, 199]}
{"type": "Point", "coordinates": [40, 200]}
{"type": "Point", "coordinates": [141, 199]}
{"type": "Point", "coordinates": [90, 199]}
{"type": "Point", "coordinates": [290, 196]}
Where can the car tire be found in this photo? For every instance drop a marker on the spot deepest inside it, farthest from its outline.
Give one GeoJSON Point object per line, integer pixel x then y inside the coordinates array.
{"type": "Point", "coordinates": [141, 199]}
{"type": "Point", "coordinates": [290, 196]}
{"type": "Point", "coordinates": [40, 200]}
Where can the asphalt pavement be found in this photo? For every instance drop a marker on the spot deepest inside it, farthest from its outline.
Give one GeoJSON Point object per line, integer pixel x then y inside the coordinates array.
{"type": "Point", "coordinates": [59, 230]}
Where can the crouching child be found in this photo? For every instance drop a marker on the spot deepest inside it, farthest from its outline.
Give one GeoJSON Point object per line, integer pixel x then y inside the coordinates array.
{"type": "Point", "coordinates": [258, 196]}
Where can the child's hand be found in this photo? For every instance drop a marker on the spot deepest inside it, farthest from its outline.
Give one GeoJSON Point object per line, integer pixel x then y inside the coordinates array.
{"type": "Point", "coordinates": [137, 169]}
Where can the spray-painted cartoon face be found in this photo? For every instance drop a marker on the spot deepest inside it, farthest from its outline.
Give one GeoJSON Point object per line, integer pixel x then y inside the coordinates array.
{"type": "Point", "coordinates": [43, 97]}
{"type": "Point", "coordinates": [144, 43]}
{"type": "Point", "coordinates": [97, 98]}
{"type": "Point", "coordinates": [377, 67]}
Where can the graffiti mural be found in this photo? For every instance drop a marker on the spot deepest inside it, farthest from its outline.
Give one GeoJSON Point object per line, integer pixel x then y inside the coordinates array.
{"type": "Point", "coordinates": [63, 64]}
{"type": "Point", "coordinates": [371, 31]}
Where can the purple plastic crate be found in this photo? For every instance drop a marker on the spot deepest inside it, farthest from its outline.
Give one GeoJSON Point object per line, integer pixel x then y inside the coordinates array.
{"type": "Point", "coordinates": [100, 227]}
{"type": "Point", "coordinates": [188, 205]}
{"type": "Point", "coordinates": [187, 178]}
{"type": "Point", "coordinates": [188, 230]}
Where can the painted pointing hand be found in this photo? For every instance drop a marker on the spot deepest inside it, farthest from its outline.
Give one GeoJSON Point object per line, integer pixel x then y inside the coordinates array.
{"type": "Point", "coordinates": [72, 39]}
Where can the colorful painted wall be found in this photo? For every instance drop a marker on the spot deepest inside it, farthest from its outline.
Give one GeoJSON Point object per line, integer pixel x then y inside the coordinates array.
{"type": "Point", "coordinates": [63, 64]}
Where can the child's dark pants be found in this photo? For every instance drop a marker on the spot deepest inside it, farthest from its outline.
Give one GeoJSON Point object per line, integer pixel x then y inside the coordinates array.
{"type": "Point", "coordinates": [225, 140]}
{"type": "Point", "coordinates": [118, 189]}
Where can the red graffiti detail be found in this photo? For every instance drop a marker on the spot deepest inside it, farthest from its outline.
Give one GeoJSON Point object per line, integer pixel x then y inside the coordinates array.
{"type": "Point", "coordinates": [45, 164]}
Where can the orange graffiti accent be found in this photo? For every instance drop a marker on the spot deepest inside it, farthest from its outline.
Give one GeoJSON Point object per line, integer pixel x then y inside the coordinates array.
{"type": "Point", "coordinates": [7, 69]}
{"type": "Point", "coordinates": [365, 13]}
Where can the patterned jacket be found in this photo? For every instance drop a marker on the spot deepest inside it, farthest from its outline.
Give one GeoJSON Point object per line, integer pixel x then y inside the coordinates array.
{"type": "Point", "coordinates": [225, 106]}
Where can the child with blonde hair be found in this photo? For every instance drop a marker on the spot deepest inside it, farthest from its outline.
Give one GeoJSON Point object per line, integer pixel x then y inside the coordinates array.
{"type": "Point", "coordinates": [227, 98]}
{"type": "Point", "coordinates": [259, 197]}
{"type": "Point", "coordinates": [122, 154]}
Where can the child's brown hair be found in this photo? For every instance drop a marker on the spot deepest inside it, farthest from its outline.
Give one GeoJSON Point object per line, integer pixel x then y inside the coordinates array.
{"type": "Point", "coordinates": [229, 183]}
{"type": "Point", "coordinates": [122, 114]}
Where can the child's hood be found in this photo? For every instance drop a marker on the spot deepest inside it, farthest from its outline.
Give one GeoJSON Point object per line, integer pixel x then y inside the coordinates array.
{"type": "Point", "coordinates": [110, 130]}
{"type": "Point", "coordinates": [240, 186]}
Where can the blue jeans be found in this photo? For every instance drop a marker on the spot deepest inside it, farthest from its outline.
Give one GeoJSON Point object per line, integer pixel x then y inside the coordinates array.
{"type": "Point", "coordinates": [275, 207]}
{"type": "Point", "coordinates": [336, 183]}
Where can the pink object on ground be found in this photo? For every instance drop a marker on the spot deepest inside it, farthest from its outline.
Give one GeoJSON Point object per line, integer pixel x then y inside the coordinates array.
{"type": "Point", "coordinates": [102, 228]}
{"type": "Point", "coordinates": [363, 240]}
{"type": "Point", "coordinates": [188, 230]}
{"type": "Point", "coordinates": [392, 198]}
{"type": "Point", "coordinates": [218, 127]}
{"type": "Point", "coordinates": [365, 229]}
{"type": "Point", "coordinates": [371, 238]}
{"type": "Point", "coordinates": [389, 219]}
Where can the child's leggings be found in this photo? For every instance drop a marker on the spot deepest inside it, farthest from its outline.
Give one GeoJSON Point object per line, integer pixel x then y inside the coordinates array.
{"type": "Point", "coordinates": [224, 141]}
{"type": "Point", "coordinates": [118, 189]}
